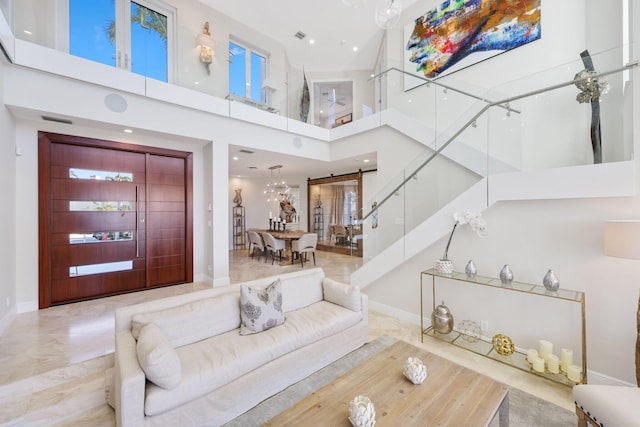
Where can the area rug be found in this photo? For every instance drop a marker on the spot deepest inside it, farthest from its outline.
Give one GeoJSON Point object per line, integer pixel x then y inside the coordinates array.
{"type": "Point", "coordinates": [525, 410]}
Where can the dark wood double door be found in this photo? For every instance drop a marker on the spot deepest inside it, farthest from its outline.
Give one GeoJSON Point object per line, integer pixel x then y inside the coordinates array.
{"type": "Point", "coordinates": [113, 218]}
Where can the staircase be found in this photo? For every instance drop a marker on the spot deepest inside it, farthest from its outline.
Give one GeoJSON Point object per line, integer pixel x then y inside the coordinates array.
{"type": "Point", "coordinates": [66, 396]}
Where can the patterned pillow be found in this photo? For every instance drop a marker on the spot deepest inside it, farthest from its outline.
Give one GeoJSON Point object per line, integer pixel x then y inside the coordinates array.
{"type": "Point", "coordinates": [260, 308]}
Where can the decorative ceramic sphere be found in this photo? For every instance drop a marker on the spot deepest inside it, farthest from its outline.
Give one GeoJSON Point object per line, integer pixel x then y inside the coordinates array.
{"type": "Point", "coordinates": [470, 331]}
{"type": "Point", "coordinates": [503, 345]}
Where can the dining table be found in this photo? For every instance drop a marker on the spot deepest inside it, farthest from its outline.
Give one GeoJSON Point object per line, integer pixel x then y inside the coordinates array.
{"type": "Point", "coordinates": [286, 235]}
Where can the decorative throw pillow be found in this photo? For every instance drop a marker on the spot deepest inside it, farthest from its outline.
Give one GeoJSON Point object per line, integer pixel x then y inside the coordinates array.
{"type": "Point", "coordinates": [260, 308]}
{"type": "Point", "coordinates": [157, 358]}
{"type": "Point", "coordinates": [341, 294]}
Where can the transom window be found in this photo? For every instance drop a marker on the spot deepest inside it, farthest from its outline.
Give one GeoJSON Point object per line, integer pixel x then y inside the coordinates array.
{"type": "Point", "coordinates": [247, 72]}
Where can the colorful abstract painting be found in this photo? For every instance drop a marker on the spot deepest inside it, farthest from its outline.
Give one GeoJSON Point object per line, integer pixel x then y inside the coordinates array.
{"type": "Point", "coordinates": [463, 32]}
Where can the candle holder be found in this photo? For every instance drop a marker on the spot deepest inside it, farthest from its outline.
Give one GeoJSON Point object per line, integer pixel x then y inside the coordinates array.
{"type": "Point", "coordinates": [270, 224]}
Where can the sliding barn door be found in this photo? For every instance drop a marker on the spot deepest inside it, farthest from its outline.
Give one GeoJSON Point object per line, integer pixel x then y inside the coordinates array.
{"type": "Point", "coordinates": [113, 218]}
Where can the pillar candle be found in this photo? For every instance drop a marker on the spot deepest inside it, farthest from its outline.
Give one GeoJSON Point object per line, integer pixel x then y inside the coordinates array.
{"type": "Point", "coordinates": [546, 348]}
{"type": "Point", "coordinates": [574, 373]}
{"type": "Point", "coordinates": [538, 363]}
{"type": "Point", "coordinates": [566, 359]}
{"type": "Point", "coordinates": [270, 215]}
{"type": "Point", "coordinates": [553, 364]}
{"type": "Point", "coordinates": [531, 354]}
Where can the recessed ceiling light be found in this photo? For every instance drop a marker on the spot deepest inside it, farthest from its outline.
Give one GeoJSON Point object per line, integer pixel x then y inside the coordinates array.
{"type": "Point", "coordinates": [197, 83]}
{"type": "Point", "coordinates": [235, 158]}
{"type": "Point", "coordinates": [312, 41]}
{"type": "Point", "coordinates": [408, 100]}
{"type": "Point", "coordinates": [27, 32]}
{"type": "Point", "coordinates": [355, 48]}
{"type": "Point", "coordinates": [128, 131]}
{"type": "Point", "coordinates": [366, 160]}
{"type": "Point", "coordinates": [321, 111]}
{"type": "Point", "coordinates": [372, 75]}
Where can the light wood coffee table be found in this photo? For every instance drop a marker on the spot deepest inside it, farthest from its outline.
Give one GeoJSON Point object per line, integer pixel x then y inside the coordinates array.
{"type": "Point", "coordinates": [450, 396]}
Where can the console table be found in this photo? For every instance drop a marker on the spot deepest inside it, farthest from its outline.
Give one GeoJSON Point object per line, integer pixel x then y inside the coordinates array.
{"type": "Point", "coordinates": [479, 346]}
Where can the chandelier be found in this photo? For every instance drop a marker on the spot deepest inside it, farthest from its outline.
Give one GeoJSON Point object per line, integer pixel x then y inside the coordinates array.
{"type": "Point", "coordinates": [276, 189]}
{"type": "Point", "coordinates": [387, 13]}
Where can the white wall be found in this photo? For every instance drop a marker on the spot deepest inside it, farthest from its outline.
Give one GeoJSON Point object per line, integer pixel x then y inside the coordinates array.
{"type": "Point", "coordinates": [8, 214]}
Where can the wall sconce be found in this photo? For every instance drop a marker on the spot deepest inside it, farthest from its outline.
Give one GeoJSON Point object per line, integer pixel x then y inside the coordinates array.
{"type": "Point", "coordinates": [622, 239]}
{"type": "Point", "coordinates": [207, 46]}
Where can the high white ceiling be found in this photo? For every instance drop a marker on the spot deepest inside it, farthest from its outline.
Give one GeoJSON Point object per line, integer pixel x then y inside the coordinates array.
{"type": "Point", "coordinates": [335, 27]}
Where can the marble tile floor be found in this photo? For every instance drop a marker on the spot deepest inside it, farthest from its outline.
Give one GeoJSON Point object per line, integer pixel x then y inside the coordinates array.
{"type": "Point", "coordinates": [54, 362]}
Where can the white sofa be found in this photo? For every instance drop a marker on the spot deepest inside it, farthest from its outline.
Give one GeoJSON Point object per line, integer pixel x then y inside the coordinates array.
{"type": "Point", "coordinates": [223, 373]}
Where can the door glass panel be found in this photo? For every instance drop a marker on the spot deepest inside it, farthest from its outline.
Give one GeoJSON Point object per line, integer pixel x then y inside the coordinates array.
{"type": "Point", "coordinates": [100, 236]}
{"type": "Point", "coordinates": [86, 206]}
{"type": "Point", "coordinates": [237, 70]}
{"type": "Point", "coordinates": [92, 30]}
{"type": "Point", "coordinates": [148, 42]}
{"type": "Point", "coordinates": [100, 175]}
{"type": "Point", "coordinates": [107, 267]}
{"type": "Point", "coordinates": [258, 74]}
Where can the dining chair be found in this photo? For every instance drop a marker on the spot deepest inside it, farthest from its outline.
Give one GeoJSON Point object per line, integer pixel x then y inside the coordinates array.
{"type": "Point", "coordinates": [255, 242]}
{"type": "Point", "coordinates": [273, 245]}
{"type": "Point", "coordinates": [305, 244]}
{"type": "Point", "coordinates": [340, 234]}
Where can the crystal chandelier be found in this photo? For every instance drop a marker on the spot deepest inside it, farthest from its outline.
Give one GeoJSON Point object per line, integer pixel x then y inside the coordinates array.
{"type": "Point", "coordinates": [387, 13]}
{"type": "Point", "coordinates": [276, 189]}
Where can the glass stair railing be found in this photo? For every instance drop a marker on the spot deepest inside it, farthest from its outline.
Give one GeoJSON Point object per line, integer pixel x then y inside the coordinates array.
{"type": "Point", "coordinates": [532, 124]}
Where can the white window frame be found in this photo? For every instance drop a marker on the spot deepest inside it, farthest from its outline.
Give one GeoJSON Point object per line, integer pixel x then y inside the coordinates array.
{"type": "Point", "coordinates": [248, 50]}
{"type": "Point", "coordinates": [123, 32]}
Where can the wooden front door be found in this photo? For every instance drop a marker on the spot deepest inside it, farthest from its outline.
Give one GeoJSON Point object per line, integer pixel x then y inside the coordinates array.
{"type": "Point", "coordinates": [114, 218]}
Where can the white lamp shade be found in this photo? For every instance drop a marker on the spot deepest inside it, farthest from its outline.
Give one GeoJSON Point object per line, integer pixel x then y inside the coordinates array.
{"type": "Point", "coordinates": [622, 239]}
{"type": "Point", "coordinates": [205, 40]}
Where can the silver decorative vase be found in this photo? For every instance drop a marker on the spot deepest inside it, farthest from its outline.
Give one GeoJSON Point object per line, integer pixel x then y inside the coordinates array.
{"type": "Point", "coordinates": [506, 275]}
{"type": "Point", "coordinates": [442, 319]}
{"type": "Point", "coordinates": [471, 269]}
{"type": "Point", "coordinates": [551, 282]}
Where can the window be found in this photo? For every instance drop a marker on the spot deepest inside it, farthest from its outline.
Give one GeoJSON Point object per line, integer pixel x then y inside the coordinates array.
{"type": "Point", "coordinates": [247, 71]}
{"type": "Point", "coordinates": [132, 35]}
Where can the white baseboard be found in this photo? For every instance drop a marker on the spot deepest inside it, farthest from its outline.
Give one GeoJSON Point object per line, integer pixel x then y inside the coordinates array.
{"type": "Point", "coordinates": [25, 307]}
{"type": "Point", "coordinates": [404, 316]}
{"type": "Point", "coordinates": [222, 281]}
{"type": "Point", "coordinates": [203, 278]}
{"type": "Point", "coordinates": [7, 319]}
{"type": "Point", "coordinates": [601, 379]}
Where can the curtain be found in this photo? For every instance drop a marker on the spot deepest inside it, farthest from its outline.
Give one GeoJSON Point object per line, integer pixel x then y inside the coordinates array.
{"type": "Point", "coordinates": [337, 204]}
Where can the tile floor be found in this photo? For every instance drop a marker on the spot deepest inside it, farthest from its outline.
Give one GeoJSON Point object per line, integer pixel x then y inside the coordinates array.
{"type": "Point", "coordinates": [55, 361]}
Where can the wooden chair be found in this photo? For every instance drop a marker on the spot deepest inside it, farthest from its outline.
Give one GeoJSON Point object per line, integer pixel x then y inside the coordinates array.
{"type": "Point", "coordinates": [305, 244]}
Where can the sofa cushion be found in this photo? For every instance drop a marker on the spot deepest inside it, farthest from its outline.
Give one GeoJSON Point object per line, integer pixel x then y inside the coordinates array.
{"type": "Point", "coordinates": [194, 321]}
{"type": "Point", "coordinates": [341, 294]}
{"type": "Point", "coordinates": [301, 290]}
{"type": "Point", "coordinates": [157, 358]}
{"type": "Point", "coordinates": [214, 362]}
{"type": "Point", "coordinates": [260, 308]}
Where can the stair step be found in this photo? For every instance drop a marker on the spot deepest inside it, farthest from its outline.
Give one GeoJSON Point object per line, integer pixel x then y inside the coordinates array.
{"type": "Point", "coordinates": [56, 395]}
